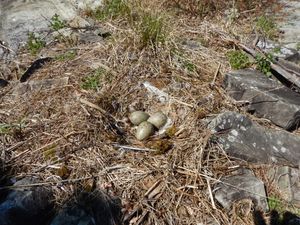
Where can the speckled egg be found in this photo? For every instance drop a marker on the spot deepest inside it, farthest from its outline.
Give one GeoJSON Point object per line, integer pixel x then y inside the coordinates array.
{"type": "Point", "coordinates": [144, 130]}
{"type": "Point", "coordinates": [137, 117]}
{"type": "Point", "coordinates": [158, 119]}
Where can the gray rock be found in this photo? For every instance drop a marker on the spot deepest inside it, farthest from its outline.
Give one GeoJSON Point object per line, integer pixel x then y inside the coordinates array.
{"type": "Point", "coordinates": [17, 18]}
{"type": "Point", "coordinates": [27, 205]}
{"type": "Point", "coordinates": [290, 23]}
{"type": "Point", "coordinates": [287, 180]}
{"type": "Point", "coordinates": [39, 85]}
{"type": "Point", "coordinates": [267, 98]}
{"type": "Point", "coordinates": [239, 187]}
{"type": "Point", "coordinates": [94, 208]}
{"type": "Point", "coordinates": [278, 50]}
{"type": "Point", "coordinates": [281, 176]}
{"type": "Point", "coordinates": [246, 140]}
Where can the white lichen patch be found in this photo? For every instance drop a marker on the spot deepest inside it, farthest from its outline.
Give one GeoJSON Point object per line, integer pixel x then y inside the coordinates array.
{"type": "Point", "coordinates": [273, 159]}
{"type": "Point", "coordinates": [234, 133]}
{"type": "Point", "coordinates": [283, 149]}
{"type": "Point", "coordinates": [243, 128]}
{"type": "Point", "coordinates": [231, 138]}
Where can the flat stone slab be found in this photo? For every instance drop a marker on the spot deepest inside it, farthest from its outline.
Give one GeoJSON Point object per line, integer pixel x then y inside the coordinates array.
{"type": "Point", "coordinates": [266, 98]}
{"type": "Point", "coordinates": [249, 141]}
{"type": "Point", "coordinates": [239, 187]}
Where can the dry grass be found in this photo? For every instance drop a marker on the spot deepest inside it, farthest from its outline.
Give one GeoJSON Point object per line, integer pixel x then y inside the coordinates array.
{"type": "Point", "coordinates": [62, 137]}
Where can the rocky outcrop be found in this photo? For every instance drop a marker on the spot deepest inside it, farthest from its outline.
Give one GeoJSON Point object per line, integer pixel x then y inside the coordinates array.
{"type": "Point", "coordinates": [265, 97]}
{"type": "Point", "coordinates": [238, 187]}
{"type": "Point", "coordinates": [249, 141]}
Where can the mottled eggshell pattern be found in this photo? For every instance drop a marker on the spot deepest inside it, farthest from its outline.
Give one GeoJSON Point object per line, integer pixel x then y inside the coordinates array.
{"type": "Point", "coordinates": [158, 119]}
{"type": "Point", "coordinates": [144, 130]}
{"type": "Point", "coordinates": [137, 117]}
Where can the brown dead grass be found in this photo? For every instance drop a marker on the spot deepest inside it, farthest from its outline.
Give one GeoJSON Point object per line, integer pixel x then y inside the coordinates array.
{"type": "Point", "coordinates": [63, 138]}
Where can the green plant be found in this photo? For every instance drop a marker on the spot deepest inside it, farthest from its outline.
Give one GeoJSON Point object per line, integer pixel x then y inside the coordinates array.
{"type": "Point", "coordinates": [112, 9]}
{"type": "Point", "coordinates": [266, 26]}
{"type": "Point", "coordinates": [56, 23]}
{"type": "Point", "coordinates": [152, 29]}
{"type": "Point", "coordinates": [238, 59]}
{"type": "Point", "coordinates": [34, 43]}
{"type": "Point", "coordinates": [189, 66]}
{"type": "Point", "coordinates": [7, 128]}
{"type": "Point", "coordinates": [277, 50]}
{"type": "Point", "coordinates": [298, 46]}
{"type": "Point", "coordinates": [66, 56]}
{"type": "Point", "coordinates": [276, 204]}
{"type": "Point", "coordinates": [4, 128]}
{"type": "Point", "coordinates": [263, 63]}
{"type": "Point", "coordinates": [94, 80]}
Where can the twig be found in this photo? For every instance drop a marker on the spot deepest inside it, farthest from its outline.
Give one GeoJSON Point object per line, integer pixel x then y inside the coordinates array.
{"type": "Point", "coordinates": [12, 148]}
{"type": "Point", "coordinates": [133, 148]}
{"type": "Point", "coordinates": [216, 74]}
{"type": "Point", "coordinates": [7, 48]}
{"type": "Point", "coordinates": [183, 103]}
{"type": "Point", "coordinates": [210, 194]}
{"type": "Point", "coordinates": [151, 189]}
{"type": "Point", "coordinates": [92, 105]}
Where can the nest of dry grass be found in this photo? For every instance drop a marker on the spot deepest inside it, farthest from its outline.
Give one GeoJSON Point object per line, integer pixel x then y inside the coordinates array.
{"type": "Point", "coordinates": [76, 135]}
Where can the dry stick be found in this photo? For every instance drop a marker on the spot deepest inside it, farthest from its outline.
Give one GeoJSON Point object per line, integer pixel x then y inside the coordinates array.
{"type": "Point", "coordinates": [216, 74]}
{"type": "Point", "coordinates": [180, 102]}
{"type": "Point", "coordinates": [152, 188]}
{"type": "Point", "coordinates": [12, 148]}
{"type": "Point", "coordinates": [210, 194]}
{"type": "Point", "coordinates": [92, 105]}
{"type": "Point", "coordinates": [7, 48]}
{"type": "Point", "coordinates": [134, 148]}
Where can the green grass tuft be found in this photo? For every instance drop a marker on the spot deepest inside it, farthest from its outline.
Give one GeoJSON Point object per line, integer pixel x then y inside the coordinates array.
{"type": "Point", "coordinates": [266, 26]}
{"type": "Point", "coordinates": [263, 64]}
{"type": "Point", "coordinates": [112, 9]}
{"type": "Point", "coordinates": [95, 80]}
{"type": "Point", "coordinates": [66, 56]}
{"type": "Point", "coordinates": [56, 23]}
{"type": "Point", "coordinates": [238, 59]}
{"type": "Point", "coordinates": [152, 29]}
{"type": "Point", "coordinates": [34, 43]}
